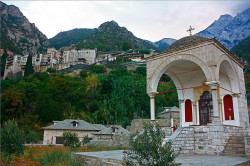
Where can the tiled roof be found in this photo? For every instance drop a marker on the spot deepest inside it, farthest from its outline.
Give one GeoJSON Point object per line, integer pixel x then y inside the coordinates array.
{"type": "Point", "coordinates": [185, 41]}
{"type": "Point", "coordinates": [99, 126]}
{"type": "Point", "coordinates": [67, 125]}
{"type": "Point", "coordinates": [109, 130]}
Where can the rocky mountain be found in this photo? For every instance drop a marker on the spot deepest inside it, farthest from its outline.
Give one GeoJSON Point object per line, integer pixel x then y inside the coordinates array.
{"type": "Point", "coordinates": [164, 43]}
{"type": "Point", "coordinates": [110, 36]}
{"type": "Point", "coordinates": [242, 49]}
{"type": "Point", "coordinates": [18, 34]}
{"type": "Point", "coordinates": [229, 30]}
{"type": "Point", "coordinates": [73, 36]}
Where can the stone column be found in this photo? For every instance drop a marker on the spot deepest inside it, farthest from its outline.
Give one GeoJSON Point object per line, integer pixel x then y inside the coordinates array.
{"type": "Point", "coordinates": [195, 112]}
{"type": "Point", "coordinates": [214, 87]}
{"type": "Point", "coordinates": [220, 108]}
{"type": "Point", "coordinates": [152, 105]}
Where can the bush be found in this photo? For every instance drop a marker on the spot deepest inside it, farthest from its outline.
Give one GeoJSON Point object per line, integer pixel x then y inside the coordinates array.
{"type": "Point", "coordinates": [141, 70]}
{"type": "Point", "coordinates": [70, 140]}
{"type": "Point", "coordinates": [30, 137]}
{"type": "Point", "coordinates": [86, 139]}
{"type": "Point", "coordinates": [97, 68]}
{"type": "Point", "coordinates": [83, 73]}
{"type": "Point", "coordinates": [51, 70]}
{"type": "Point", "coordinates": [147, 148]}
{"type": "Point", "coordinates": [12, 139]}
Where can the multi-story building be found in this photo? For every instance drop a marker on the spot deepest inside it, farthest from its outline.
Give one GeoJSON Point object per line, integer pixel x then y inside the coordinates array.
{"type": "Point", "coordinates": [15, 66]}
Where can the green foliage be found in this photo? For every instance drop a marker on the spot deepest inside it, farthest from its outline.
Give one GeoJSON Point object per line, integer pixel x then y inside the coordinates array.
{"type": "Point", "coordinates": [242, 49]}
{"type": "Point", "coordinates": [83, 73]}
{"type": "Point", "coordinates": [111, 37]}
{"type": "Point", "coordinates": [58, 157]}
{"type": "Point", "coordinates": [29, 68]}
{"type": "Point", "coordinates": [113, 98]}
{"type": "Point", "coordinates": [51, 70]}
{"type": "Point", "coordinates": [70, 37]}
{"type": "Point", "coordinates": [70, 140]}
{"type": "Point", "coordinates": [141, 70]}
{"type": "Point", "coordinates": [143, 51]}
{"type": "Point", "coordinates": [3, 61]}
{"type": "Point", "coordinates": [86, 139]}
{"type": "Point", "coordinates": [119, 72]}
{"type": "Point", "coordinates": [12, 139]}
{"type": "Point", "coordinates": [30, 137]}
{"type": "Point", "coordinates": [147, 148]}
{"type": "Point", "coordinates": [97, 68]}
{"type": "Point", "coordinates": [126, 46]}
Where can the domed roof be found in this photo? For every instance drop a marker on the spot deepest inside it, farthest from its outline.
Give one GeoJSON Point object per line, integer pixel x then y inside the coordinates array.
{"type": "Point", "coordinates": [185, 41]}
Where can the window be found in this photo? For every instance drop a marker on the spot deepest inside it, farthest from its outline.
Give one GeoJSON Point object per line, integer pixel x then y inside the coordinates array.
{"type": "Point", "coordinates": [188, 111]}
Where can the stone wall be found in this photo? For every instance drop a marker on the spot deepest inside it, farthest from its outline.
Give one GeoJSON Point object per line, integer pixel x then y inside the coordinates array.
{"type": "Point", "coordinates": [183, 141]}
{"type": "Point", "coordinates": [116, 141]}
{"type": "Point", "coordinates": [137, 124]}
{"type": "Point", "coordinates": [49, 136]}
{"type": "Point", "coordinates": [204, 140]}
{"type": "Point", "coordinates": [212, 139]}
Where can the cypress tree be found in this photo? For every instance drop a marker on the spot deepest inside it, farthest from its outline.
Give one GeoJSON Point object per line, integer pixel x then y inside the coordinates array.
{"type": "Point", "coordinates": [29, 68]}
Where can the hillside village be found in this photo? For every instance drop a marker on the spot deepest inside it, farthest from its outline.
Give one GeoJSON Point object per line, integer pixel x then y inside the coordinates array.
{"type": "Point", "coordinates": [54, 59]}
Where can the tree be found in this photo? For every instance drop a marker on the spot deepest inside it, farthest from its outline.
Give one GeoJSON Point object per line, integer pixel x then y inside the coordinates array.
{"type": "Point", "coordinates": [3, 61]}
{"type": "Point", "coordinates": [12, 139]}
{"type": "Point", "coordinates": [70, 140]}
{"type": "Point", "coordinates": [83, 73]}
{"type": "Point", "coordinates": [29, 68]}
{"type": "Point", "coordinates": [30, 137]}
{"type": "Point", "coordinates": [126, 46]}
{"type": "Point", "coordinates": [97, 68]}
{"type": "Point", "coordinates": [141, 70]}
{"type": "Point", "coordinates": [147, 148]}
{"type": "Point", "coordinates": [51, 70]}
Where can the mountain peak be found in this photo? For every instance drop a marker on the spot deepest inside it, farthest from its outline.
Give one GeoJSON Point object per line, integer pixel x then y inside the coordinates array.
{"type": "Point", "coordinates": [229, 30]}
{"type": "Point", "coordinates": [225, 17]}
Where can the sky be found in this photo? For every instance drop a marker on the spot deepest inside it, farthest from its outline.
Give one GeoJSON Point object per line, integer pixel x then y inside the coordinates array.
{"type": "Point", "coordinates": [150, 20]}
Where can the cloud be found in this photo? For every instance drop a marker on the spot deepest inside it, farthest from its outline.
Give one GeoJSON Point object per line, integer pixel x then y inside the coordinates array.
{"type": "Point", "coordinates": [151, 20]}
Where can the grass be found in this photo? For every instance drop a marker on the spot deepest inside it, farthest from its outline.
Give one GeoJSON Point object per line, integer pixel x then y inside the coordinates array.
{"type": "Point", "coordinates": [51, 155]}
{"type": "Point", "coordinates": [59, 157]}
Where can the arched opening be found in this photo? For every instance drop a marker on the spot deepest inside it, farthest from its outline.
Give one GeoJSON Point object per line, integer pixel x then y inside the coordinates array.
{"type": "Point", "coordinates": [186, 83]}
{"type": "Point", "coordinates": [229, 85]}
{"type": "Point", "coordinates": [228, 107]}
{"type": "Point", "coordinates": [206, 108]}
{"type": "Point", "coordinates": [188, 111]}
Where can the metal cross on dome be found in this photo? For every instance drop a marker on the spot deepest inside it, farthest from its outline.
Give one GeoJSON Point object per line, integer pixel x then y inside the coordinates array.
{"type": "Point", "coordinates": [190, 30]}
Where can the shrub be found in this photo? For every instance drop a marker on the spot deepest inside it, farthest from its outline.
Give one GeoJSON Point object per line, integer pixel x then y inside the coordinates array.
{"type": "Point", "coordinates": [86, 139]}
{"type": "Point", "coordinates": [147, 148]}
{"type": "Point", "coordinates": [83, 73]}
{"type": "Point", "coordinates": [30, 137]}
{"type": "Point", "coordinates": [12, 139]}
{"type": "Point", "coordinates": [97, 68]}
{"type": "Point", "coordinates": [141, 70]}
{"type": "Point", "coordinates": [70, 140]}
{"type": "Point", "coordinates": [51, 70]}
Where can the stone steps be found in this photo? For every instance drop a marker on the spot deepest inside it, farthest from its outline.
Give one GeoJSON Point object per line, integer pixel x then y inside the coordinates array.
{"type": "Point", "coordinates": [233, 155]}
{"type": "Point", "coordinates": [235, 147]}
{"type": "Point", "coordinates": [235, 151]}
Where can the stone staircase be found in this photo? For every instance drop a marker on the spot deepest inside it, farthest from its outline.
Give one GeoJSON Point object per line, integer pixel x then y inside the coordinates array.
{"type": "Point", "coordinates": [235, 147]}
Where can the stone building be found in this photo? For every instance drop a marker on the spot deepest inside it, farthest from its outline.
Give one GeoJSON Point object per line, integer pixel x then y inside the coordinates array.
{"type": "Point", "coordinates": [110, 132]}
{"type": "Point", "coordinates": [210, 85]}
{"type": "Point", "coordinates": [53, 134]}
{"type": "Point", "coordinates": [15, 66]}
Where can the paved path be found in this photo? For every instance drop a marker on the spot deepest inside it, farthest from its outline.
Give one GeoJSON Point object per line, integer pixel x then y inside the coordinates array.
{"type": "Point", "coordinates": [194, 160]}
